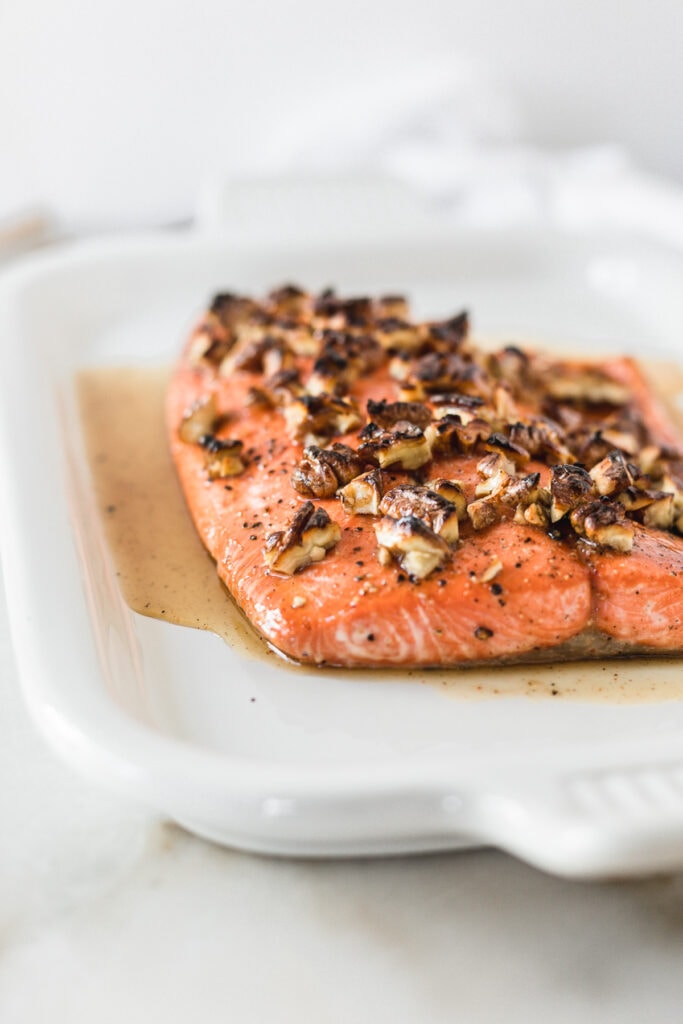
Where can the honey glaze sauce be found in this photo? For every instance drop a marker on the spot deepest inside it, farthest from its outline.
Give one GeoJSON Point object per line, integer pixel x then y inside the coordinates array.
{"type": "Point", "coordinates": [165, 572]}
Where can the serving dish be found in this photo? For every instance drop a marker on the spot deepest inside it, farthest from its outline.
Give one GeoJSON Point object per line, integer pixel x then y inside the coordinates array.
{"type": "Point", "coordinates": [241, 749]}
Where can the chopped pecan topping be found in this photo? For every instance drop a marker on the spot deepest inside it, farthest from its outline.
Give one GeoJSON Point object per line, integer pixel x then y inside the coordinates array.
{"type": "Point", "coordinates": [407, 446]}
{"type": "Point", "coordinates": [314, 419]}
{"type": "Point", "coordinates": [276, 391]}
{"type": "Point", "coordinates": [587, 385]}
{"type": "Point", "coordinates": [397, 335]}
{"type": "Point", "coordinates": [449, 434]}
{"type": "Point", "coordinates": [290, 301]}
{"type": "Point", "coordinates": [199, 420]}
{"type": "Point", "coordinates": [332, 374]}
{"type": "Point", "coordinates": [268, 355]}
{"type": "Point", "coordinates": [452, 491]}
{"type": "Point", "coordinates": [541, 437]}
{"type": "Point", "coordinates": [233, 311]}
{"type": "Point", "coordinates": [447, 335]}
{"type": "Point", "coordinates": [660, 512]}
{"type": "Point", "coordinates": [392, 306]}
{"type": "Point", "coordinates": [416, 548]}
{"type": "Point", "coordinates": [604, 523]}
{"type": "Point", "coordinates": [222, 457]}
{"type": "Point", "coordinates": [613, 474]}
{"type": "Point", "coordinates": [322, 471]}
{"type": "Point", "coordinates": [435, 511]}
{"type": "Point", "coordinates": [388, 414]}
{"type": "Point", "coordinates": [570, 487]}
{"type": "Point", "coordinates": [483, 512]}
{"type": "Point", "coordinates": [363, 494]}
{"type": "Point", "coordinates": [208, 346]}
{"type": "Point", "coordinates": [514, 453]}
{"type": "Point", "coordinates": [309, 536]}
{"type": "Point", "coordinates": [467, 407]}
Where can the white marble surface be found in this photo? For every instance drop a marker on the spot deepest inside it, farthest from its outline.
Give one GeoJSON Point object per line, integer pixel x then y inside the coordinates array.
{"type": "Point", "coordinates": [107, 914]}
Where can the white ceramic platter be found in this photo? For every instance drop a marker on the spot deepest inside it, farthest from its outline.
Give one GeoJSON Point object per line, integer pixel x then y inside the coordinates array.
{"type": "Point", "coordinates": [244, 751]}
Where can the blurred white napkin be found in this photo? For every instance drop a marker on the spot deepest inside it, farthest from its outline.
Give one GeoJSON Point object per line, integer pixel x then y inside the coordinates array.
{"type": "Point", "coordinates": [451, 136]}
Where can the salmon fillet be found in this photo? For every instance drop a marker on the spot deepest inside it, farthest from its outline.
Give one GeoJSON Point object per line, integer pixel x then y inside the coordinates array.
{"type": "Point", "coordinates": [512, 508]}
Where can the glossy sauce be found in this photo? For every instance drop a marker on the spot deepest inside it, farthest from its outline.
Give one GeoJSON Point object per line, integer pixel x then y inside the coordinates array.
{"type": "Point", "coordinates": [165, 572]}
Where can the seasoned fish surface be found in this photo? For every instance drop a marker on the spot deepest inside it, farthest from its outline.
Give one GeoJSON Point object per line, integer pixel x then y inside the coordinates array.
{"type": "Point", "coordinates": [380, 492]}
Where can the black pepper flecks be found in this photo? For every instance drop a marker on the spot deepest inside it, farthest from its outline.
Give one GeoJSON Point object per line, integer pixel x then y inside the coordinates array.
{"type": "Point", "coordinates": [496, 589]}
{"type": "Point", "coordinates": [483, 633]}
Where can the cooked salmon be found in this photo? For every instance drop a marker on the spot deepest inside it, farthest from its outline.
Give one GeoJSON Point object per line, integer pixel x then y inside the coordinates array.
{"type": "Point", "coordinates": [377, 492]}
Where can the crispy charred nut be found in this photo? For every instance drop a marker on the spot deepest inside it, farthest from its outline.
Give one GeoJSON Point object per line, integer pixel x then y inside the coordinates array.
{"type": "Point", "coordinates": [276, 391]}
{"type": "Point", "coordinates": [297, 335]}
{"type": "Point", "coordinates": [570, 487]}
{"type": "Point", "coordinates": [467, 407]}
{"type": "Point", "coordinates": [504, 404]}
{"type": "Point", "coordinates": [208, 349]}
{"type": "Point", "coordinates": [661, 512]}
{"type": "Point", "coordinates": [535, 514]}
{"type": "Point", "coordinates": [587, 385]}
{"type": "Point", "coordinates": [398, 335]}
{"type": "Point", "coordinates": [290, 302]}
{"type": "Point", "coordinates": [363, 494]}
{"type": "Point", "coordinates": [612, 475]}
{"type": "Point", "coordinates": [416, 548]}
{"type": "Point", "coordinates": [322, 471]}
{"type": "Point", "coordinates": [604, 523]}
{"type": "Point", "coordinates": [497, 471]}
{"type": "Point", "coordinates": [362, 352]}
{"type": "Point", "coordinates": [308, 537]}
{"type": "Point", "coordinates": [450, 434]}
{"type": "Point", "coordinates": [589, 446]}
{"type": "Point", "coordinates": [199, 420]}
{"type": "Point", "coordinates": [452, 491]}
{"type": "Point", "coordinates": [511, 365]}
{"type": "Point", "coordinates": [329, 309]}
{"type": "Point", "coordinates": [633, 498]}
{"type": "Point", "coordinates": [407, 446]}
{"type": "Point", "coordinates": [440, 371]}
{"type": "Point", "coordinates": [388, 414]}
{"type": "Point", "coordinates": [447, 335]}
{"type": "Point", "coordinates": [435, 511]}
{"type": "Point", "coordinates": [332, 374]}
{"type": "Point", "coordinates": [541, 437]}
{"type": "Point", "coordinates": [400, 367]}
{"type": "Point", "coordinates": [222, 457]}
{"type": "Point", "coordinates": [233, 312]}
{"type": "Point", "coordinates": [268, 355]}
{"type": "Point", "coordinates": [501, 445]}
{"type": "Point", "coordinates": [483, 512]}
{"type": "Point", "coordinates": [391, 306]}
{"type": "Point", "coordinates": [316, 418]}
{"type": "Point", "coordinates": [649, 459]}
{"type": "Point", "coordinates": [522, 491]}
{"type": "Point", "coordinates": [567, 417]}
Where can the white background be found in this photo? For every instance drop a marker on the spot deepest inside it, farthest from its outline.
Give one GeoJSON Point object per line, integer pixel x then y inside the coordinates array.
{"type": "Point", "coordinates": [114, 112]}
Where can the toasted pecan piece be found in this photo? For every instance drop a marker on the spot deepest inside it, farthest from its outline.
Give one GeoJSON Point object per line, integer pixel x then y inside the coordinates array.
{"type": "Point", "coordinates": [222, 457]}
{"type": "Point", "coordinates": [322, 471]}
{"type": "Point", "coordinates": [199, 420]}
{"type": "Point", "coordinates": [362, 495]}
{"type": "Point", "coordinates": [604, 523]}
{"type": "Point", "coordinates": [308, 538]}
{"type": "Point", "coordinates": [436, 511]}
{"type": "Point", "coordinates": [570, 486]}
{"type": "Point", "coordinates": [407, 446]}
{"type": "Point", "coordinates": [388, 414]}
{"type": "Point", "coordinates": [416, 548]}
{"type": "Point", "coordinates": [316, 418]}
